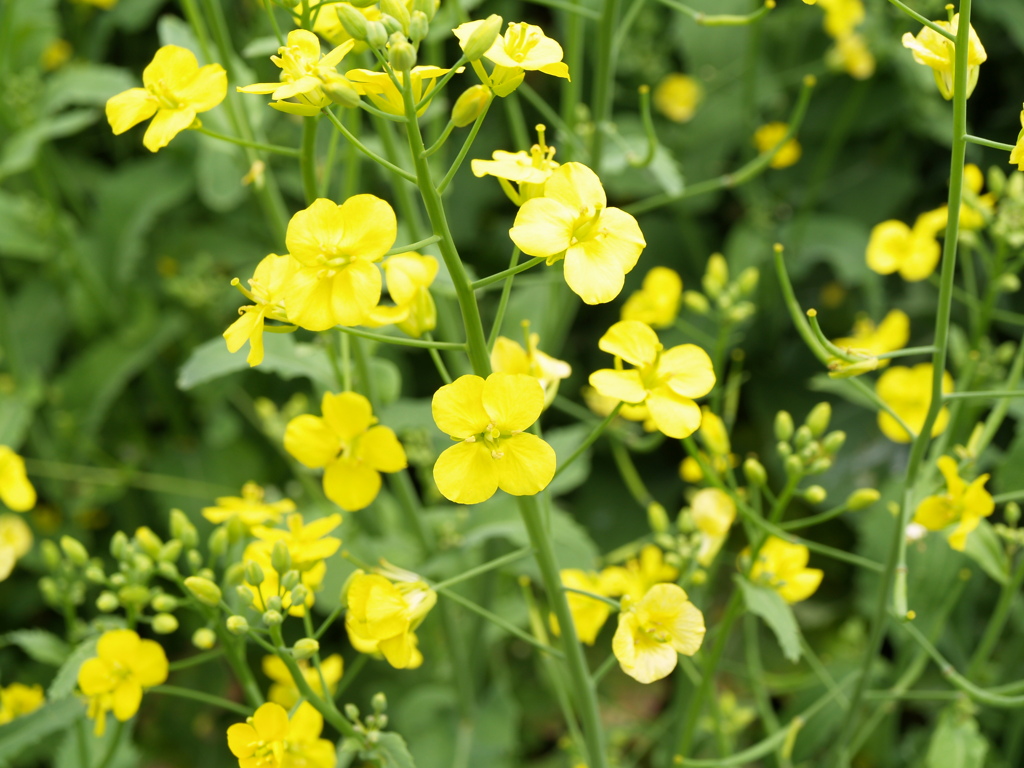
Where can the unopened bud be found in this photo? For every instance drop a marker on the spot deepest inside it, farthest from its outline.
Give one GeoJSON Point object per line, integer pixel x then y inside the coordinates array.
{"type": "Point", "coordinates": [51, 554]}
{"type": "Point", "coordinates": [204, 639]}
{"type": "Point", "coordinates": [419, 26]}
{"type": "Point", "coordinates": [427, 7]}
{"type": "Point", "coordinates": [470, 105]}
{"type": "Point", "coordinates": [168, 570]}
{"type": "Point", "coordinates": [165, 623]}
{"type": "Point", "coordinates": [716, 275]}
{"type": "Point", "coordinates": [237, 625]}
{"type": "Point", "coordinates": [272, 618]}
{"type": "Point", "coordinates": [95, 574]}
{"type": "Point", "coordinates": [340, 90]}
{"type": "Point", "coordinates": [274, 603]}
{"type": "Point", "coordinates": [698, 577]}
{"type": "Point", "coordinates": [149, 541]}
{"type": "Point", "coordinates": [657, 517]}
{"type": "Point", "coordinates": [401, 54]}
{"type": "Point", "coordinates": [862, 498]}
{"type": "Point", "coordinates": [280, 558]}
{"type": "Point", "coordinates": [164, 603]}
{"type": "Point", "coordinates": [183, 529]}
{"type": "Point", "coordinates": [1008, 283]}
{"type": "Point", "coordinates": [748, 280]}
{"type": "Point", "coordinates": [253, 573]}
{"type": "Point", "coordinates": [742, 311]}
{"type": "Point", "coordinates": [204, 590]}
{"type": "Point", "coordinates": [234, 574]}
{"type": "Point", "coordinates": [833, 441]}
{"type": "Point", "coordinates": [818, 466]}
{"type": "Point", "coordinates": [817, 420]}
{"type": "Point", "coordinates": [245, 594]}
{"type": "Point", "coordinates": [802, 437]}
{"type": "Point", "coordinates": [815, 494]}
{"type": "Point", "coordinates": [290, 580]}
{"type": "Point", "coordinates": [783, 426]}
{"type": "Point", "coordinates": [194, 559]}
{"type": "Point", "coordinates": [51, 593]}
{"type": "Point", "coordinates": [392, 26]}
{"type": "Point", "coordinates": [305, 648]}
{"type": "Point", "coordinates": [107, 602]}
{"type": "Point", "coordinates": [352, 712]}
{"type": "Point", "coordinates": [218, 542]}
{"type": "Point", "coordinates": [133, 594]}
{"type": "Point", "coordinates": [755, 472]}
{"type": "Point", "coordinates": [398, 11]}
{"type": "Point", "coordinates": [376, 34]}
{"type": "Point", "coordinates": [119, 545]}
{"type": "Point", "coordinates": [351, 20]}
{"type": "Point", "coordinates": [299, 594]}
{"type": "Point", "coordinates": [170, 551]}
{"type": "Point", "coordinates": [696, 302]}
{"type": "Point", "coordinates": [1012, 513]}
{"type": "Point", "coordinates": [783, 449]}
{"type": "Point", "coordinates": [74, 550]}
{"type": "Point", "coordinates": [483, 37]}
{"type": "Point", "coordinates": [793, 465]}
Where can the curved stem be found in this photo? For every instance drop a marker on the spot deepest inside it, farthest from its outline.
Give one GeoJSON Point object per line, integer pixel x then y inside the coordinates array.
{"type": "Point", "coordinates": [590, 440]}
{"type": "Point", "coordinates": [497, 277]}
{"type": "Point", "coordinates": [206, 698]}
{"type": "Point", "coordinates": [401, 341]}
{"type": "Point", "coordinates": [273, 148]}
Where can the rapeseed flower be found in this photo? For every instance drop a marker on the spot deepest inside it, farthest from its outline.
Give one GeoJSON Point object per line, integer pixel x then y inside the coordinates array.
{"type": "Point", "coordinates": [529, 170]}
{"type": "Point", "coordinates": [311, 577]}
{"type": "Point", "coordinates": [380, 89]}
{"type": "Point", "coordinates": [962, 504]}
{"type": "Point", "coordinates": [383, 615]}
{"type": "Point", "coordinates": [283, 690]}
{"type": "Point", "coordinates": [269, 739]}
{"type": "Point", "coordinates": [870, 340]}
{"type": "Point", "coordinates": [654, 630]}
{"type": "Point", "coordinates": [677, 96]}
{"type": "Point", "coordinates": [908, 391]}
{"type": "Point", "coordinates": [489, 418]}
{"type": "Point", "coordinates": [345, 442]}
{"type": "Point", "coordinates": [18, 700]}
{"type": "Point", "coordinates": [713, 513]}
{"type": "Point", "coordinates": [15, 542]}
{"type": "Point", "coordinates": [509, 356]}
{"type": "Point", "coordinates": [842, 16]}
{"type": "Point", "coordinates": [770, 136]}
{"type": "Point", "coordinates": [308, 543]}
{"type": "Point", "coordinates": [657, 301]}
{"type": "Point", "coordinates": [176, 90]}
{"type": "Point", "coordinates": [409, 277]}
{"type": "Point", "coordinates": [115, 678]}
{"type": "Point", "coordinates": [603, 405]}
{"type": "Point", "coordinates": [975, 210]}
{"type": "Point", "coordinates": [783, 567]}
{"type": "Point", "coordinates": [933, 50]}
{"type": "Point", "coordinates": [523, 47]}
{"type": "Point", "coordinates": [572, 222]}
{"type": "Point", "coordinates": [16, 492]}
{"type": "Point", "coordinates": [588, 613]}
{"type": "Point", "coordinates": [665, 380]}
{"type": "Point", "coordinates": [851, 54]}
{"type": "Point", "coordinates": [249, 508]}
{"type": "Point", "coordinates": [895, 247]}
{"type": "Point", "coordinates": [266, 291]}
{"type": "Point", "coordinates": [337, 281]}
{"type": "Point", "coordinates": [638, 575]}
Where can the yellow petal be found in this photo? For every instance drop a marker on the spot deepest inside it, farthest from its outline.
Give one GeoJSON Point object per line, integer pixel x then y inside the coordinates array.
{"type": "Point", "coordinates": [15, 489]}
{"type": "Point", "coordinates": [633, 341]}
{"type": "Point", "coordinates": [370, 227]}
{"type": "Point", "coordinates": [171, 69]}
{"type": "Point", "coordinates": [934, 513]}
{"type": "Point", "coordinates": [129, 108]}
{"type": "Point", "coordinates": [271, 722]}
{"type": "Point", "coordinates": [591, 275]}
{"type": "Point", "coordinates": [466, 473]}
{"type": "Point", "coordinates": [149, 664]}
{"type": "Point", "coordinates": [242, 740]}
{"type": "Point", "coordinates": [619, 385]}
{"type": "Point", "coordinates": [513, 401]}
{"type": "Point", "coordinates": [96, 676]}
{"type": "Point", "coordinates": [398, 650]}
{"type": "Point", "coordinates": [576, 186]}
{"type": "Point", "coordinates": [690, 371]}
{"type": "Point", "coordinates": [167, 124]}
{"type": "Point", "coordinates": [380, 449]}
{"type": "Point", "coordinates": [543, 227]}
{"type": "Point", "coordinates": [801, 585]}
{"type": "Point", "coordinates": [527, 466]}
{"type": "Point", "coordinates": [458, 408]}
{"type": "Point", "coordinates": [351, 484]}
{"type": "Point", "coordinates": [347, 414]}
{"type": "Point", "coordinates": [117, 645]}
{"type": "Point", "coordinates": [207, 89]}
{"type": "Point", "coordinates": [306, 724]}
{"type": "Point", "coordinates": [126, 699]}
{"type": "Point", "coordinates": [311, 441]}
{"type": "Point", "coordinates": [674, 415]}
{"type": "Point", "coordinates": [887, 246]}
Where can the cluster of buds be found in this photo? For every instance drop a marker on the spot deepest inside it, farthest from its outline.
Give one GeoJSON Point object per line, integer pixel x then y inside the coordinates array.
{"type": "Point", "coordinates": [369, 728]}
{"type": "Point", "coordinates": [807, 449]}
{"type": "Point", "coordinates": [729, 300]}
{"type": "Point", "coordinates": [1008, 222]}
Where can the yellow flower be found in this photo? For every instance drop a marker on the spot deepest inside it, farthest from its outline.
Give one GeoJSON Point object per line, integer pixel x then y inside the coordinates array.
{"type": "Point", "coordinates": [933, 50]}
{"type": "Point", "coordinates": [665, 380]}
{"type": "Point", "coordinates": [1017, 154]}
{"type": "Point", "coordinates": [529, 170]}
{"type": "Point", "coordinates": [409, 277]}
{"type": "Point", "coordinates": [652, 632]}
{"type": "Point", "coordinates": [523, 47]}
{"type": "Point", "coordinates": [842, 16]}
{"type": "Point", "coordinates": [783, 567]}
{"type": "Point", "coordinates": [304, 74]}
{"type": "Point", "coordinates": [15, 542]}
{"type": "Point", "coordinates": [15, 489]}
{"type": "Point", "coordinates": [895, 247]}
{"type": "Point", "coordinates": [337, 281]}
{"type": "Point", "coordinates": [770, 136]}
{"type": "Point", "coordinates": [381, 91]}
{"type": "Point", "coordinates": [713, 513]}
{"type": "Point", "coordinates": [962, 504]}
{"type": "Point", "coordinates": [269, 739]}
{"type": "Point", "coordinates": [891, 334]}
{"type": "Point", "coordinates": [572, 221]}
{"type": "Point", "coordinates": [266, 290]}
{"type": "Point", "coordinates": [975, 210]}
{"type": "Point", "coordinates": [283, 690]}
{"type": "Point", "coordinates": [908, 391]}
{"type": "Point", "coordinates": [115, 678]}
{"type": "Point", "coordinates": [509, 356]}
{"type": "Point", "coordinates": [382, 615]}
{"type": "Point", "coordinates": [312, 578]}
{"type": "Point", "coordinates": [249, 508]}
{"type": "Point", "coordinates": [638, 575]}
{"type": "Point", "coordinates": [603, 405]}
{"type": "Point", "coordinates": [851, 54]}
{"type": "Point", "coordinates": [588, 614]}
{"type": "Point", "coordinates": [657, 301]}
{"type": "Point", "coordinates": [308, 544]}
{"type": "Point", "coordinates": [56, 54]}
{"type": "Point", "coordinates": [346, 443]}
{"type": "Point", "coordinates": [489, 419]}
{"type": "Point", "coordinates": [677, 97]}
{"type": "Point", "coordinates": [713, 433]}
{"type": "Point", "coordinates": [176, 90]}
{"type": "Point", "coordinates": [18, 700]}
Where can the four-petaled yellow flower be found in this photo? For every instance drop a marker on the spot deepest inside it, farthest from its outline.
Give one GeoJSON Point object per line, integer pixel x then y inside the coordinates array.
{"type": "Point", "coordinates": [345, 442]}
{"type": "Point", "coordinates": [283, 690]}
{"type": "Point", "coordinates": [908, 391]}
{"type": "Point", "coordinates": [489, 418]}
{"type": "Point", "coordinates": [529, 170]}
{"type": "Point", "coordinates": [269, 739]}
{"type": "Point", "coordinates": [677, 97]}
{"type": "Point", "coordinates": [652, 632]}
{"type": "Point", "coordinates": [266, 291]}
{"type": "Point", "coordinates": [114, 679]}
{"type": "Point", "coordinates": [382, 615]}
{"type": "Point", "coordinates": [713, 513]}
{"type": "Point", "coordinates": [933, 50]}
{"type": "Point", "coordinates": [304, 75]}
{"type": "Point", "coordinates": [409, 277]}
{"type": "Point", "coordinates": [380, 89]}
{"type": "Point", "coordinates": [772, 135]}
{"type": "Point", "coordinates": [962, 504]}
{"type": "Point", "coordinates": [176, 90]}
{"type": "Point", "coordinates": [16, 492]}
{"type": "Point", "coordinates": [783, 567]}
{"type": "Point", "coordinates": [657, 301]}
{"type": "Point", "coordinates": [523, 47]}
{"type": "Point", "coordinates": [588, 613]}
{"type": "Point", "coordinates": [249, 508]}
{"type": "Point", "coordinates": [572, 221]}
{"type": "Point", "coordinates": [666, 380]}
{"type": "Point", "coordinates": [895, 247]}
{"type": "Point", "coordinates": [508, 356]}
{"type": "Point", "coordinates": [337, 247]}
{"type": "Point", "coordinates": [15, 542]}
{"type": "Point", "coordinates": [638, 575]}
{"type": "Point", "coordinates": [868, 339]}
{"type": "Point", "coordinates": [308, 543]}
{"type": "Point", "coordinates": [18, 700]}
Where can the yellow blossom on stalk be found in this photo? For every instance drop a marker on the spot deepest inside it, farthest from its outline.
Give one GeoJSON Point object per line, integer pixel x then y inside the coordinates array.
{"type": "Point", "coordinates": [962, 504]}
{"type": "Point", "coordinates": [176, 90]}
{"type": "Point", "coordinates": [933, 50]}
{"type": "Point", "coordinates": [489, 418]}
{"type": "Point", "coordinates": [653, 630]}
{"type": "Point", "coordinates": [975, 209]}
{"type": "Point", "coordinates": [666, 380]}
{"type": "Point", "coordinates": [18, 700]}
{"type": "Point", "coordinates": [1017, 153]}
{"type": "Point", "coordinates": [770, 136]}
{"type": "Point", "coordinates": [345, 442]}
{"type": "Point", "coordinates": [337, 281]}
{"type": "Point", "coordinates": [409, 277]}
{"type": "Point", "coordinates": [283, 690]}
{"type": "Point", "coordinates": [529, 170]}
{"type": "Point", "coordinates": [269, 739]}
{"type": "Point", "coordinates": [327, 22]}
{"type": "Point", "coordinates": [312, 578]}
{"type": "Point", "coordinates": [383, 615]}
{"type": "Point", "coordinates": [308, 543]}
{"type": "Point", "coordinates": [677, 97]}
{"type": "Point", "coordinates": [842, 16]}
{"type": "Point", "coordinates": [657, 301]}
{"type": "Point", "coordinates": [266, 288]}
{"type": "Point", "coordinates": [603, 405]}
{"type": "Point", "coordinates": [638, 575]}
{"type": "Point", "coordinates": [15, 542]}
{"type": "Point", "coordinates": [16, 492]}
{"type": "Point", "coordinates": [304, 74]}
{"type": "Point", "coordinates": [508, 356]}
{"type": "Point", "coordinates": [895, 247]}
{"type": "Point", "coordinates": [249, 508]}
{"type": "Point", "coordinates": [690, 469]}
{"type": "Point", "coordinates": [115, 678]}
{"type": "Point", "coordinates": [588, 614]}
{"type": "Point", "coordinates": [908, 391]}
{"type": "Point", "coordinates": [868, 339]}
{"type": "Point", "coordinates": [523, 47]}
{"type": "Point", "coordinates": [379, 88]}
{"type": "Point", "coordinates": [851, 54]}
{"type": "Point", "coordinates": [713, 513]}
{"type": "Point", "coordinates": [783, 567]}
{"type": "Point", "coordinates": [572, 222]}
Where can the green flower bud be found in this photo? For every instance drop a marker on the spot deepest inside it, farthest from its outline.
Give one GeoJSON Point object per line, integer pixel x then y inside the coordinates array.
{"type": "Point", "coordinates": [470, 105]}
{"type": "Point", "coordinates": [218, 542]}
{"type": "Point", "coordinates": [339, 89]}
{"type": "Point", "coordinates": [170, 551]}
{"type": "Point", "coordinates": [351, 20]}
{"type": "Point", "coordinates": [427, 7]}
{"type": "Point", "coordinates": [755, 472]}
{"type": "Point", "coordinates": [379, 702]}
{"type": "Point", "coordinates": [274, 602]}
{"type": "Point", "coordinates": [74, 550]}
{"type": "Point", "coordinates": [165, 623]}
{"type": "Point", "coordinates": [118, 580]}
{"type": "Point", "coordinates": [817, 420]}
{"type": "Point", "coordinates": [195, 560]}
{"type": "Point", "coordinates": [483, 38]}
{"type": "Point", "coordinates": [815, 494]}
{"type": "Point", "coordinates": [119, 545]}
{"type": "Point", "coordinates": [861, 498]}
{"type": "Point", "coordinates": [783, 426]}
{"type": "Point", "coordinates": [352, 712]}
{"type": "Point", "coordinates": [245, 594]}
{"type": "Point", "coordinates": [149, 541]}
{"type": "Point", "coordinates": [783, 449]}
{"type": "Point", "coordinates": [280, 558]}
{"type": "Point", "coordinates": [1008, 283]}
{"type": "Point", "coordinates": [95, 574]}
{"type": "Point", "coordinates": [657, 517]}
{"type": "Point", "coordinates": [234, 574]}
{"type": "Point", "coordinates": [183, 530]}
{"type": "Point", "coordinates": [299, 594]}
{"type": "Point", "coordinates": [237, 625]}
{"type": "Point", "coordinates": [664, 540]}
{"type": "Point", "coordinates": [716, 276]}
{"type": "Point", "coordinates": [272, 618]}
{"type": "Point", "coordinates": [419, 26]}
{"type": "Point", "coordinates": [164, 603]}
{"type": "Point", "coordinates": [696, 302]}
{"type": "Point", "coordinates": [744, 310]}
{"type": "Point", "coordinates": [397, 10]}
{"type": "Point", "coordinates": [818, 466]}
{"type": "Point", "coordinates": [376, 34]}
{"type": "Point", "coordinates": [51, 593]}
{"type": "Point", "coordinates": [290, 580]}
{"type": "Point", "coordinates": [142, 564]}
{"type": "Point", "coordinates": [748, 279]}
{"type": "Point", "coordinates": [236, 530]}
{"type": "Point", "coordinates": [793, 465]}
{"type": "Point", "coordinates": [134, 594]}
{"type": "Point", "coordinates": [1012, 513]}
{"type": "Point", "coordinates": [305, 648]}
{"type": "Point", "coordinates": [833, 441]}
{"type": "Point", "coordinates": [393, 27]}
{"type": "Point", "coordinates": [802, 437]}
{"type": "Point", "coordinates": [401, 54]}
{"type": "Point", "coordinates": [698, 577]}
{"type": "Point", "coordinates": [253, 573]}
{"type": "Point", "coordinates": [203, 590]}
{"type": "Point", "coordinates": [107, 602]}
{"type": "Point", "coordinates": [167, 570]}
{"type": "Point", "coordinates": [51, 554]}
{"type": "Point", "coordinates": [204, 639]}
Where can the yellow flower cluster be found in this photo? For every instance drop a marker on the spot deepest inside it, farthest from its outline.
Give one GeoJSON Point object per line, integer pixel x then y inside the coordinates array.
{"type": "Point", "coordinates": [272, 739]}
{"type": "Point", "coordinates": [509, 356]}
{"type": "Point", "coordinates": [524, 47]}
{"type": "Point", "coordinates": [962, 504]}
{"type": "Point", "coordinates": [657, 302]}
{"type": "Point", "coordinates": [677, 96]}
{"type": "Point", "coordinates": [529, 170]}
{"type": "Point", "coordinates": [782, 566]}
{"type": "Point", "coordinates": [933, 50]}
{"type": "Point", "coordinates": [249, 509]}
{"type": "Point", "coordinates": [18, 700]}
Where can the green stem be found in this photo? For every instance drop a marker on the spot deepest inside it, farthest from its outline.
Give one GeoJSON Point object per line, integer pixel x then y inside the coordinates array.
{"type": "Point", "coordinates": [821, 517]}
{"type": "Point", "coordinates": [924, 20]}
{"type": "Point", "coordinates": [273, 148]}
{"type": "Point", "coordinates": [308, 158]}
{"type": "Point", "coordinates": [440, 139]}
{"type": "Point", "coordinates": [989, 143]}
{"type": "Point", "coordinates": [435, 356]}
{"type": "Point", "coordinates": [413, 246]}
{"type": "Point", "coordinates": [997, 621]}
{"type": "Point", "coordinates": [351, 138]}
{"type": "Point", "coordinates": [464, 150]}
{"type": "Point", "coordinates": [590, 440]}
{"type": "Point", "coordinates": [115, 742]}
{"type": "Point", "coordinates": [497, 277]}
{"type": "Point", "coordinates": [627, 470]}
{"type": "Point", "coordinates": [127, 478]}
{"type": "Point", "coordinates": [906, 352]}
{"type": "Point", "coordinates": [494, 618]}
{"type": "Point", "coordinates": [206, 698]}
{"type": "Point", "coordinates": [719, 20]}
{"type": "Point", "coordinates": [401, 341]}
{"type": "Point", "coordinates": [604, 80]}
{"type": "Point", "coordinates": [506, 292]}
{"type": "Point", "coordinates": [195, 660]}
{"type": "Point", "coordinates": [490, 565]}
{"type": "Point", "coordinates": [982, 394]}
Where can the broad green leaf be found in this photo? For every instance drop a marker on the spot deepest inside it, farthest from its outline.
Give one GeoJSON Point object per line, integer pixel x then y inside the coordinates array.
{"type": "Point", "coordinates": [43, 646]}
{"type": "Point", "coordinates": [66, 679]}
{"type": "Point", "coordinates": [986, 549]}
{"type": "Point", "coordinates": [283, 356]}
{"type": "Point", "coordinates": [957, 742]}
{"type": "Point", "coordinates": [776, 613]}
{"type": "Point", "coordinates": [16, 412]}
{"type": "Point", "coordinates": [32, 729]}
{"type": "Point", "coordinates": [20, 150]}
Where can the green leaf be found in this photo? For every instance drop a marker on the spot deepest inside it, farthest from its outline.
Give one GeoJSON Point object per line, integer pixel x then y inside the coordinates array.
{"type": "Point", "coordinates": [282, 356]}
{"type": "Point", "coordinates": [16, 412]}
{"type": "Point", "coordinates": [565, 440]}
{"type": "Point", "coordinates": [220, 167]}
{"type": "Point", "coordinates": [957, 742]}
{"type": "Point", "coordinates": [986, 549]}
{"type": "Point", "coordinates": [85, 85]}
{"type": "Point", "coordinates": [392, 752]}
{"type": "Point", "coordinates": [20, 149]}
{"type": "Point", "coordinates": [45, 647]}
{"type": "Point", "coordinates": [30, 730]}
{"type": "Point", "coordinates": [776, 613]}
{"type": "Point", "coordinates": [66, 679]}
{"type": "Point", "coordinates": [26, 229]}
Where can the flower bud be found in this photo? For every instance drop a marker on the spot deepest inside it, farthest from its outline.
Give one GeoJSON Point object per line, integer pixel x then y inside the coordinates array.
{"type": "Point", "coordinates": [755, 472]}
{"type": "Point", "coordinates": [793, 465]}
{"type": "Point", "coordinates": [51, 593]}
{"type": "Point", "coordinates": [397, 10]}
{"type": "Point", "coordinates": [696, 302]}
{"type": "Point", "coordinates": [802, 437]}
{"type": "Point", "coordinates": [204, 590]}
{"type": "Point", "coordinates": [379, 702]}
{"type": "Point", "coordinates": [168, 570]}
{"type": "Point", "coordinates": [657, 517]}
{"type": "Point", "coordinates": [149, 541]}
{"type": "Point", "coordinates": [95, 574]}
{"type": "Point", "coordinates": [107, 602]}
{"type": "Point", "coordinates": [833, 441]}
{"type": "Point", "coordinates": [134, 594]}
{"type": "Point", "coordinates": [1008, 283]}
{"type": "Point", "coordinates": [861, 498]}
{"type": "Point", "coordinates": [698, 577]}
{"type": "Point", "coordinates": [117, 580]}
{"type": "Point", "coordinates": [401, 54]}
{"type": "Point", "coordinates": [290, 580]}
{"type": "Point", "coordinates": [742, 311]}
{"type": "Point", "coordinates": [234, 574]}
{"type": "Point", "coordinates": [376, 34]}
{"type": "Point", "coordinates": [237, 625]}
{"type": "Point", "coordinates": [815, 494]}
{"type": "Point", "coordinates": [74, 550]}
{"type": "Point", "coordinates": [274, 603]}
{"type": "Point", "coordinates": [164, 623]}
{"type": "Point", "coordinates": [195, 559]}
{"type": "Point", "coordinates": [119, 545]}
{"type": "Point", "coordinates": [483, 38]}
{"type": "Point", "coordinates": [142, 564]}
{"type": "Point", "coordinates": [351, 20]}
{"type": "Point", "coordinates": [352, 712]}
{"type": "Point", "coordinates": [170, 551]}
{"type": "Point", "coordinates": [470, 105]}
{"type": "Point", "coordinates": [299, 594]}
{"type": "Point", "coordinates": [305, 648]}
{"type": "Point", "coordinates": [280, 558]}
{"type": "Point", "coordinates": [427, 7]}
{"type": "Point", "coordinates": [183, 530]}
{"type": "Point", "coordinates": [817, 420]}
{"type": "Point", "coordinates": [392, 26]}
{"type": "Point", "coordinates": [716, 276]}
{"type": "Point", "coordinates": [748, 279]}
{"type": "Point", "coordinates": [164, 603]}
{"type": "Point", "coordinates": [218, 542]}
{"type": "Point", "coordinates": [818, 466]}
{"type": "Point", "coordinates": [783, 426]}
{"type": "Point", "coordinates": [419, 26]}
{"type": "Point", "coordinates": [204, 639]}
{"type": "Point", "coordinates": [1012, 513]}
{"type": "Point", "coordinates": [245, 594]}
{"type": "Point", "coordinates": [783, 449]}
{"type": "Point", "coordinates": [272, 618]}
{"type": "Point", "coordinates": [51, 554]}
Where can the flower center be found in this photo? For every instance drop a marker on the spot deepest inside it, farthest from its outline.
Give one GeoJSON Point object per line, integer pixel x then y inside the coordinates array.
{"type": "Point", "coordinates": [164, 95]}
{"type": "Point", "coordinates": [587, 223]}
{"type": "Point", "coordinates": [520, 40]}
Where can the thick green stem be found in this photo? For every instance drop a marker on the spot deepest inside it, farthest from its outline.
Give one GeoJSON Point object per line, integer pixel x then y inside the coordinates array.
{"type": "Point", "coordinates": [604, 80]}
{"type": "Point", "coordinates": [308, 159]}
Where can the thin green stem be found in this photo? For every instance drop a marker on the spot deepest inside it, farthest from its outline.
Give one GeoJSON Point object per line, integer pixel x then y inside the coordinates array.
{"type": "Point", "coordinates": [983, 394]}
{"type": "Point", "coordinates": [506, 292]}
{"type": "Point", "coordinates": [127, 478]}
{"type": "Point", "coordinates": [308, 158]}
{"type": "Point", "coordinates": [997, 621]}
{"type": "Point", "coordinates": [195, 660]}
{"type": "Point", "coordinates": [350, 137]}
{"type": "Point", "coordinates": [464, 150]}
{"type": "Point", "coordinates": [989, 143]}
{"type": "Point", "coordinates": [821, 517]}
{"type": "Point", "coordinates": [497, 277]}
{"type": "Point", "coordinates": [906, 352]}
{"type": "Point", "coordinates": [206, 698]}
{"type": "Point", "coordinates": [719, 20]}
{"type": "Point", "coordinates": [604, 80]}
{"type": "Point", "coordinates": [115, 742]}
{"type": "Point", "coordinates": [627, 470]}
{"type": "Point", "coordinates": [440, 139]}
{"type": "Point", "coordinates": [594, 596]}
{"type": "Point", "coordinates": [272, 148]}
{"type": "Point", "coordinates": [401, 341]}
{"type": "Point", "coordinates": [490, 565]}
{"type": "Point", "coordinates": [413, 246]}
{"type": "Point", "coordinates": [435, 356]}
{"type": "Point", "coordinates": [497, 620]}
{"type": "Point", "coordinates": [924, 20]}
{"type": "Point", "coordinates": [595, 433]}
